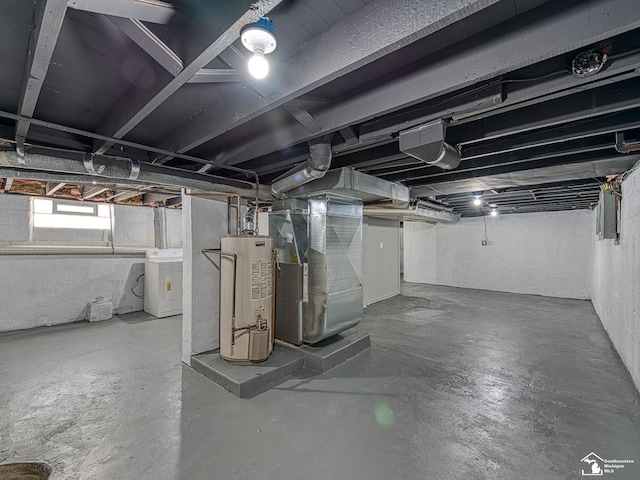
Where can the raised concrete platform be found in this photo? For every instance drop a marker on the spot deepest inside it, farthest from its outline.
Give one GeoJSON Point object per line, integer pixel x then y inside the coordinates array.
{"type": "Point", "coordinates": [244, 380]}
{"type": "Point", "coordinates": [333, 351]}
{"type": "Point", "coordinates": [286, 359]}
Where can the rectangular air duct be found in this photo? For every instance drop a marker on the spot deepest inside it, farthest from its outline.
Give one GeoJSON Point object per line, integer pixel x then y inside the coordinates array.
{"type": "Point", "coordinates": [323, 234]}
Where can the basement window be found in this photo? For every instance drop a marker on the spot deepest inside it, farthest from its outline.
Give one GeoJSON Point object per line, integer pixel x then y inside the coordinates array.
{"type": "Point", "coordinates": [53, 213]}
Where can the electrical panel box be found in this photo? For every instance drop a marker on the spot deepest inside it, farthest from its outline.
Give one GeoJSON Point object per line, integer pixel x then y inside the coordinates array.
{"type": "Point", "coordinates": [607, 215]}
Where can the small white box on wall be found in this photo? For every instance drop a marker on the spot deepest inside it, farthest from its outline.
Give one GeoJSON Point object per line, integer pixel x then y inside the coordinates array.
{"type": "Point", "coordinates": [98, 310]}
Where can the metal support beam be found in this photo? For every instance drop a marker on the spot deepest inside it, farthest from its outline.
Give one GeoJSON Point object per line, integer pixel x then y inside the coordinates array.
{"type": "Point", "coordinates": [137, 104]}
{"type": "Point", "coordinates": [47, 25]}
{"type": "Point", "coordinates": [149, 42]}
{"type": "Point", "coordinates": [552, 29]}
{"type": "Point", "coordinates": [152, 11]}
{"type": "Point", "coordinates": [94, 192]}
{"type": "Point", "coordinates": [53, 188]}
{"type": "Point", "coordinates": [325, 58]}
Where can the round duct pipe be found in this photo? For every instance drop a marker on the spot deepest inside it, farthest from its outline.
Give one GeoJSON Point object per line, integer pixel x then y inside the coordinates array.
{"type": "Point", "coordinates": [315, 167]}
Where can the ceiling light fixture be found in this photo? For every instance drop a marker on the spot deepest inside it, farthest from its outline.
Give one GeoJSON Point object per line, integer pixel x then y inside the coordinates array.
{"type": "Point", "coordinates": [494, 210]}
{"type": "Point", "coordinates": [588, 63]}
{"type": "Point", "coordinates": [259, 39]}
{"type": "Point", "coordinates": [477, 198]}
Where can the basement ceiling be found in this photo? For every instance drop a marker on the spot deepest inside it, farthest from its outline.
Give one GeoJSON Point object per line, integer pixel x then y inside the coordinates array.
{"type": "Point", "coordinates": [165, 85]}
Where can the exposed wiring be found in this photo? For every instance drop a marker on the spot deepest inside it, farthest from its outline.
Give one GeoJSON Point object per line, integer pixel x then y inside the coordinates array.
{"type": "Point", "coordinates": [533, 79]}
{"type": "Point", "coordinates": [133, 287]}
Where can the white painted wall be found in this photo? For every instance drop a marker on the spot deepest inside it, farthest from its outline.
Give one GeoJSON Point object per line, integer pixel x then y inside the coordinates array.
{"type": "Point", "coordinates": [37, 290]}
{"type": "Point", "coordinates": [204, 221]}
{"type": "Point", "coordinates": [538, 253]}
{"type": "Point", "coordinates": [616, 280]}
{"type": "Point", "coordinates": [381, 259]}
{"type": "Point", "coordinates": [174, 228]}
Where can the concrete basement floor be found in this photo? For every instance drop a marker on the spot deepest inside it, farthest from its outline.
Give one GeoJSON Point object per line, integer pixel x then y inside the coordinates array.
{"type": "Point", "coordinates": [457, 384]}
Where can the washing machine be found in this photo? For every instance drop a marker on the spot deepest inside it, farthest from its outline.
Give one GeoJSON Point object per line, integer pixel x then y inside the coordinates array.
{"type": "Point", "coordinates": [163, 282]}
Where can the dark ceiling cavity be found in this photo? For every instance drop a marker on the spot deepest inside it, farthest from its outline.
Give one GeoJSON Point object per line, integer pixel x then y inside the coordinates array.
{"type": "Point", "coordinates": [536, 101]}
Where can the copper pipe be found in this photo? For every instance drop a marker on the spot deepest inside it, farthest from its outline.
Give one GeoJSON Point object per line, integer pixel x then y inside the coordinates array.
{"type": "Point", "coordinates": [218, 251]}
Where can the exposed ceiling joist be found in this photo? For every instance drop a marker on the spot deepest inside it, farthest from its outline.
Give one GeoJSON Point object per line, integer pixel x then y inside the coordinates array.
{"type": "Point", "coordinates": [153, 197]}
{"type": "Point", "coordinates": [580, 106]}
{"type": "Point", "coordinates": [53, 187]}
{"type": "Point", "coordinates": [8, 182]}
{"type": "Point", "coordinates": [317, 62]}
{"type": "Point", "coordinates": [137, 104]}
{"type": "Point", "coordinates": [126, 195]}
{"type": "Point", "coordinates": [303, 117]}
{"type": "Point", "coordinates": [551, 30]}
{"type": "Point", "coordinates": [94, 192]}
{"type": "Point", "coordinates": [558, 173]}
{"type": "Point", "coordinates": [265, 88]}
{"type": "Point", "coordinates": [349, 136]}
{"type": "Point", "coordinates": [473, 169]}
{"type": "Point", "coordinates": [149, 42]}
{"type": "Point", "coordinates": [152, 11]}
{"type": "Point", "coordinates": [618, 69]}
{"type": "Point", "coordinates": [48, 20]}
{"type": "Point", "coordinates": [216, 75]}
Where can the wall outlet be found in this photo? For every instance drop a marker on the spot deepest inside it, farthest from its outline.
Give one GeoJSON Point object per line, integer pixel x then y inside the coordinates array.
{"type": "Point", "coordinates": [484, 243]}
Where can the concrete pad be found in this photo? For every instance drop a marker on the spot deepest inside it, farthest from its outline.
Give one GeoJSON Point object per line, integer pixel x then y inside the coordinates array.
{"type": "Point", "coordinates": [244, 380]}
{"type": "Point", "coordinates": [333, 351]}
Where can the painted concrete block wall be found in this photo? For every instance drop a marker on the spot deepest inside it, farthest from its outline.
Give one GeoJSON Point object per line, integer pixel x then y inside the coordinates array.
{"type": "Point", "coordinates": [174, 228]}
{"type": "Point", "coordinates": [538, 253]}
{"type": "Point", "coordinates": [381, 261]}
{"type": "Point", "coordinates": [133, 226]}
{"type": "Point", "coordinates": [419, 245]}
{"type": "Point", "coordinates": [204, 221]}
{"type": "Point", "coordinates": [37, 290]}
{"type": "Point", "coordinates": [616, 280]}
{"type": "Point", "coordinates": [14, 219]}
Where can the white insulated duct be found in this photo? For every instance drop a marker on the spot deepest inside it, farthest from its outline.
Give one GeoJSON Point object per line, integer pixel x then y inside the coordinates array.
{"type": "Point", "coordinates": [426, 143]}
{"type": "Point", "coordinates": [315, 167]}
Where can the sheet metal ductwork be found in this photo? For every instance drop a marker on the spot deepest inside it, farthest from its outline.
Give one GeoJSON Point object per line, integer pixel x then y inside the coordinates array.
{"type": "Point", "coordinates": [315, 167]}
{"type": "Point", "coordinates": [322, 237]}
{"type": "Point", "coordinates": [426, 143]}
{"type": "Point", "coordinates": [118, 170]}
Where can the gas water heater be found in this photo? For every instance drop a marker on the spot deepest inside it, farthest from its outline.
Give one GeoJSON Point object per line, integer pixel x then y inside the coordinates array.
{"type": "Point", "coordinates": [246, 298]}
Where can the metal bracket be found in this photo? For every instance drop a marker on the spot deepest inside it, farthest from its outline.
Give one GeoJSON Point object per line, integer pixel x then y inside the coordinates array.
{"type": "Point", "coordinates": [87, 160]}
